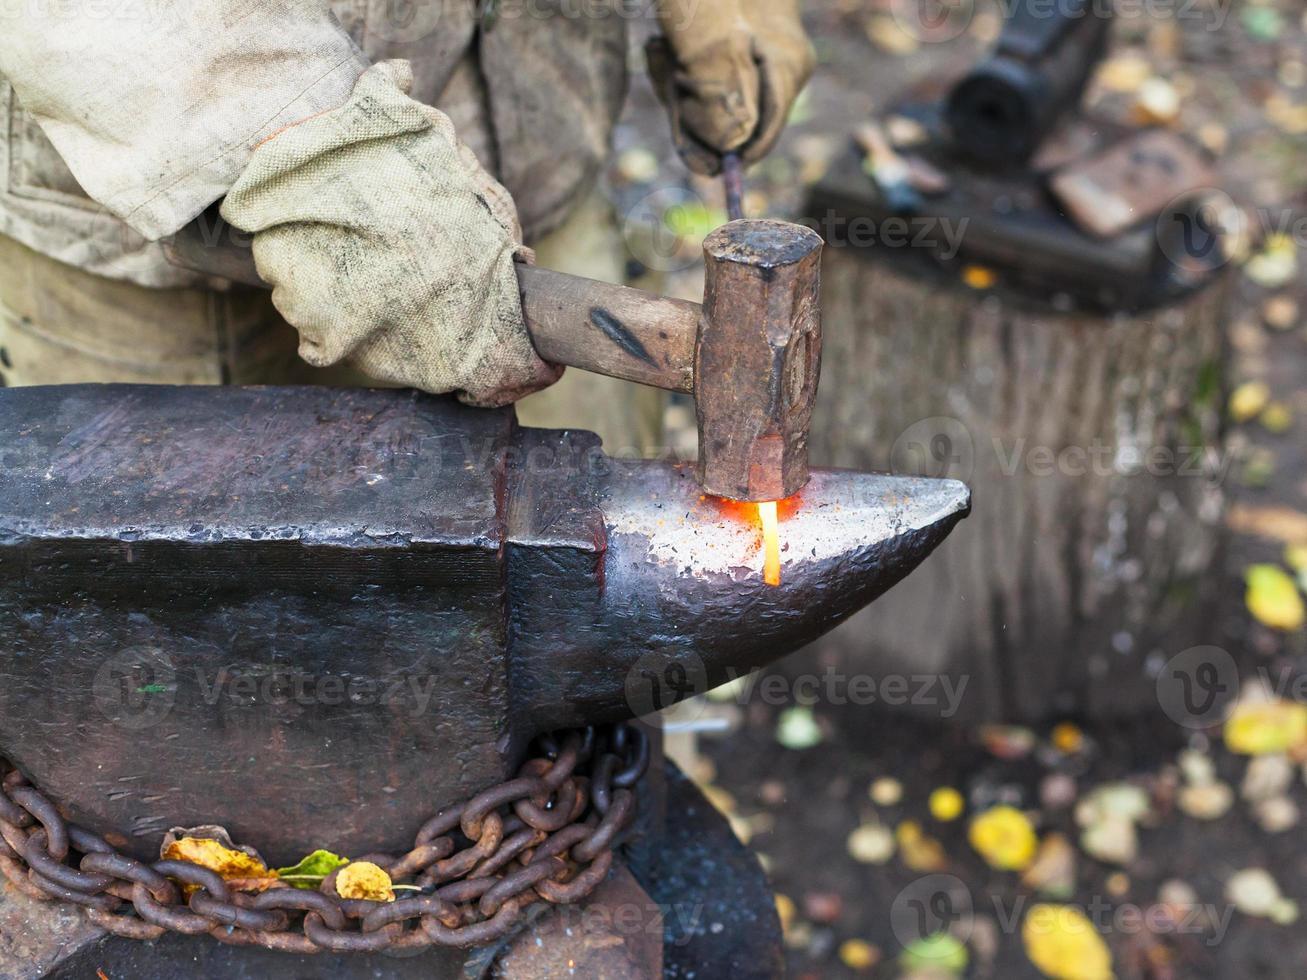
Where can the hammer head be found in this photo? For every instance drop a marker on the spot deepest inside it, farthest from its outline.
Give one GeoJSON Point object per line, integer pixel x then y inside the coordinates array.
{"type": "Point", "coordinates": [757, 358]}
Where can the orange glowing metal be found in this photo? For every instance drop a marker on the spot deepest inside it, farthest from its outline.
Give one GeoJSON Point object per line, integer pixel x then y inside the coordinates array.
{"type": "Point", "coordinates": [771, 543]}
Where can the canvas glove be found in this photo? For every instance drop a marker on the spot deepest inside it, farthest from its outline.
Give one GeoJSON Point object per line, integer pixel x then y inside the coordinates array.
{"type": "Point", "coordinates": [388, 246]}
{"type": "Point", "coordinates": [728, 72]}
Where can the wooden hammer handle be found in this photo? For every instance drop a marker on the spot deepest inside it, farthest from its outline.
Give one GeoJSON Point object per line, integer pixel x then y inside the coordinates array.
{"type": "Point", "coordinates": [614, 330]}
{"type": "Point", "coordinates": [595, 326]}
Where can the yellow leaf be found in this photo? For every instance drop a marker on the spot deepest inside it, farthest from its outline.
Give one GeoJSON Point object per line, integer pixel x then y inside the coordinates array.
{"type": "Point", "coordinates": [858, 955]}
{"type": "Point", "coordinates": [1004, 837]}
{"type": "Point", "coordinates": [946, 804]}
{"type": "Point", "coordinates": [1274, 599]}
{"type": "Point", "coordinates": [1062, 943]}
{"type": "Point", "coordinates": [1266, 727]}
{"type": "Point", "coordinates": [1295, 556]}
{"type": "Point", "coordinates": [786, 911]}
{"type": "Point", "coordinates": [919, 852]}
{"type": "Point", "coordinates": [226, 861]}
{"type": "Point", "coordinates": [363, 879]}
{"type": "Point", "coordinates": [979, 277]}
{"type": "Point", "coordinates": [1249, 400]}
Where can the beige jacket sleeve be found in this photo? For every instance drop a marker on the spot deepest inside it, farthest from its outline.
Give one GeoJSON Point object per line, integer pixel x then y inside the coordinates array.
{"type": "Point", "coordinates": [156, 105]}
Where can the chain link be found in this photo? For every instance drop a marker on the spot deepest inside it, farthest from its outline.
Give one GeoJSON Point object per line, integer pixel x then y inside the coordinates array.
{"type": "Point", "coordinates": [546, 835]}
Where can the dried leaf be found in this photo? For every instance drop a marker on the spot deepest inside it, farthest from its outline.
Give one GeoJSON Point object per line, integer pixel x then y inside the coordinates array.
{"type": "Point", "coordinates": [311, 869]}
{"type": "Point", "coordinates": [1253, 891]}
{"type": "Point", "coordinates": [1061, 941]}
{"type": "Point", "coordinates": [798, 729]}
{"type": "Point", "coordinates": [1266, 727]}
{"type": "Point", "coordinates": [1283, 524]}
{"type": "Point", "coordinates": [886, 792]}
{"type": "Point", "coordinates": [858, 955]}
{"type": "Point", "coordinates": [1054, 871]}
{"type": "Point", "coordinates": [946, 804]}
{"type": "Point", "coordinates": [1273, 598]}
{"type": "Point", "coordinates": [871, 844]}
{"type": "Point", "coordinates": [365, 880]}
{"type": "Point", "coordinates": [211, 847]}
{"type": "Point", "coordinates": [1276, 264]}
{"type": "Point", "coordinates": [1249, 400]}
{"type": "Point", "coordinates": [1004, 837]}
{"type": "Point", "coordinates": [919, 852]}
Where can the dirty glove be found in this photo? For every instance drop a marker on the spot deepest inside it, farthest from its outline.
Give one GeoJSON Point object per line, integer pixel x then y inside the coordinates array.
{"type": "Point", "coordinates": [388, 246]}
{"type": "Point", "coordinates": [728, 72]}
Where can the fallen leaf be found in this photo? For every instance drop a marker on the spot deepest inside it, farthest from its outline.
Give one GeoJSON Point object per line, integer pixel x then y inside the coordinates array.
{"type": "Point", "coordinates": [884, 32]}
{"type": "Point", "coordinates": [1265, 727]}
{"type": "Point", "coordinates": [797, 729]}
{"type": "Point", "coordinates": [979, 277]}
{"type": "Point", "coordinates": [1283, 524]}
{"type": "Point", "coordinates": [364, 880]}
{"type": "Point", "coordinates": [1054, 871]}
{"type": "Point", "coordinates": [1068, 738]}
{"type": "Point", "coordinates": [1267, 776]}
{"type": "Point", "coordinates": [785, 911]}
{"type": "Point", "coordinates": [946, 804]}
{"type": "Point", "coordinates": [1277, 418]}
{"type": "Point", "coordinates": [1273, 598]}
{"type": "Point", "coordinates": [1276, 264]}
{"type": "Point", "coordinates": [1295, 556]}
{"type": "Point", "coordinates": [211, 847]}
{"type": "Point", "coordinates": [858, 955]}
{"type": "Point", "coordinates": [886, 792]}
{"type": "Point", "coordinates": [311, 869]}
{"type": "Point", "coordinates": [1253, 892]}
{"type": "Point", "coordinates": [1157, 103]}
{"type": "Point", "coordinates": [1008, 741]}
{"type": "Point", "coordinates": [1276, 815]}
{"type": "Point", "coordinates": [1004, 837]}
{"type": "Point", "coordinates": [1123, 73]}
{"type": "Point", "coordinates": [1249, 400]}
{"type": "Point", "coordinates": [1207, 801]}
{"type": "Point", "coordinates": [938, 952]}
{"type": "Point", "coordinates": [919, 852]}
{"type": "Point", "coordinates": [1280, 312]}
{"type": "Point", "coordinates": [1262, 23]}
{"type": "Point", "coordinates": [871, 844]}
{"type": "Point", "coordinates": [1061, 941]}
{"type": "Point", "coordinates": [1111, 839]}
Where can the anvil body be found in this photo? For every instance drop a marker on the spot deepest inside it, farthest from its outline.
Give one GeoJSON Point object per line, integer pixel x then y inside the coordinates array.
{"type": "Point", "coordinates": [316, 616]}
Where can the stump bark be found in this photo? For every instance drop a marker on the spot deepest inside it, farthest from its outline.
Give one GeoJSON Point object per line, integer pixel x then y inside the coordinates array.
{"type": "Point", "coordinates": [1092, 444]}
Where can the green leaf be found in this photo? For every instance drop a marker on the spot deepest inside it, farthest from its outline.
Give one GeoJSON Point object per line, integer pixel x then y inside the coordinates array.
{"type": "Point", "coordinates": [312, 869]}
{"type": "Point", "coordinates": [939, 952]}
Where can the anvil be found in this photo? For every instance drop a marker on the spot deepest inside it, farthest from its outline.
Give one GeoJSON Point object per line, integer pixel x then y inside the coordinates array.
{"type": "Point", "coordinates": [315, 616]}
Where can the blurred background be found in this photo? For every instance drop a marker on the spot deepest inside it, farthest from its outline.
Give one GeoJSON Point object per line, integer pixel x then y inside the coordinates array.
{"type": "Point", "coordinates": [1075, 743]}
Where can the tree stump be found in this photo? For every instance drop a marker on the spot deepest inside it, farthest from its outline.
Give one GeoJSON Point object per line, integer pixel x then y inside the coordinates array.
{"type": "Point", "coordinates": [1092, 444]}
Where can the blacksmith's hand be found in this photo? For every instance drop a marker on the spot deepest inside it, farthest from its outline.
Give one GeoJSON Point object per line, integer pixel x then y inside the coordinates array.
{"type": "Point", "coordinates": [729, 72]}
{"type": "Point", "coordinates": [389, 247]}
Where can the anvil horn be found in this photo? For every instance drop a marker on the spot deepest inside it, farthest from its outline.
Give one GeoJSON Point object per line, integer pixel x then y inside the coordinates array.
{"type": "Point", "coordinates": [314, 616]}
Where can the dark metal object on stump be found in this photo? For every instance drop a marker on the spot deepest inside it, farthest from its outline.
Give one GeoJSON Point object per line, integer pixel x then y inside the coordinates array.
{"type": "Point", "coordinates": [1080, 393]}
{"type": "Point", "coordinates": [750, 355]}
{"type": "Point", "coordinates": [1001, 111]}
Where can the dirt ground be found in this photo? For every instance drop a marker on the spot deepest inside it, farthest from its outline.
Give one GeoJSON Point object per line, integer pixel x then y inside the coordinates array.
{"type": "Point", "coordinates": [1188, 900]}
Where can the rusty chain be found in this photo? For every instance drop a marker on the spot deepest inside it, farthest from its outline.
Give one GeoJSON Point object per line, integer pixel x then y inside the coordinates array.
{"type": "Point", "coordinates": [547, 834]}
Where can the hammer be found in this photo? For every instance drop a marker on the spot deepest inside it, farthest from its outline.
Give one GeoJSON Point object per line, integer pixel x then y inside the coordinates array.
{"type": "Point", "coordinates": [749, 355]}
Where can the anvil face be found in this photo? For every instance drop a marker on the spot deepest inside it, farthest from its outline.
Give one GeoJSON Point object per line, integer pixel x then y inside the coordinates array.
{"type": "Point", "coordinates": [316, 616]}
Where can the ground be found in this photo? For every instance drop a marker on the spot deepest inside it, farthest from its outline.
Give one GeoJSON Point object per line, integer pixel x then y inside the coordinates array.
{"type": "Point", "coordinates": [1191, 899]}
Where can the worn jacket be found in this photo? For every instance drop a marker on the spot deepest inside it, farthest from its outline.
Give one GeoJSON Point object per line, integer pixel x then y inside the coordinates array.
{"type": "Point", "coordinates": [124, 119]}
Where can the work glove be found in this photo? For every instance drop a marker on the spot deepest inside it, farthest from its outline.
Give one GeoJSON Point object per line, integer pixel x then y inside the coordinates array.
{"type": "Point", "coordinates": [388, 246]}
{"type": "Point", "coordinates": [728, 72]}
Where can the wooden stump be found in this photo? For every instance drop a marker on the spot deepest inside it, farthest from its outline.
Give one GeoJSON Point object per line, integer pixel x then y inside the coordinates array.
{"type": "Point", "coordinates": [1092, 446]}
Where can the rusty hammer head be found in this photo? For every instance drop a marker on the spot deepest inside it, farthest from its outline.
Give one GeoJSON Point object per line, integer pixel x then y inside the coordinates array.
{"type": "Point", "coordinates": [757, 358]}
